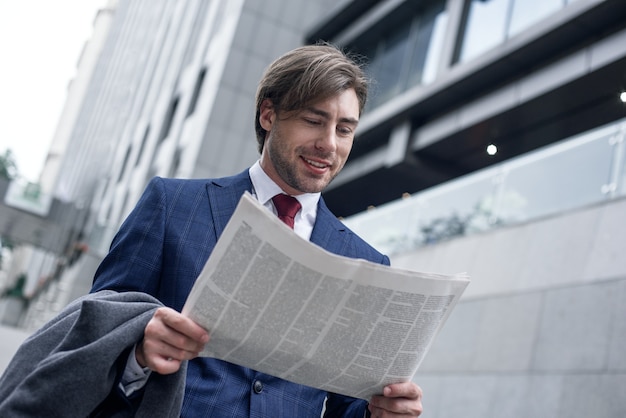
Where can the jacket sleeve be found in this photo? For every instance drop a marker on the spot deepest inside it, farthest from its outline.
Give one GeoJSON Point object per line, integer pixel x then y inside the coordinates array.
{"type": "Point", "coordinates": [134, 259]}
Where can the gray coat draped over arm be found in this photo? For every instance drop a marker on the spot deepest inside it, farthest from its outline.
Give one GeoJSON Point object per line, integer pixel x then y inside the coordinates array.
{"type": "Point", "coordinates": [74, 362]}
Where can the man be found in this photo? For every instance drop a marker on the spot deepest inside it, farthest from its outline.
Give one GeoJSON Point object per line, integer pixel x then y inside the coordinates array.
{"type": "Point", "coordinates": [308, 106]}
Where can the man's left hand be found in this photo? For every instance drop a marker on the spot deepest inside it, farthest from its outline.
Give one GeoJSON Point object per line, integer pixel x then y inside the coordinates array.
{"type": "Point", "coordinates": [397, 400]}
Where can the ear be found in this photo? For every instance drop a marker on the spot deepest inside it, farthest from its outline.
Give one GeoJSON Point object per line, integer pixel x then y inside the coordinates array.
{"type": "Point", "coordinates": [267, 114]}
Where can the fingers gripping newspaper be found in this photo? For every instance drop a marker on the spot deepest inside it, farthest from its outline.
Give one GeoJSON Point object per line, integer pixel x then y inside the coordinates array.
{"type": "Point", "coordinates": [278, 304]}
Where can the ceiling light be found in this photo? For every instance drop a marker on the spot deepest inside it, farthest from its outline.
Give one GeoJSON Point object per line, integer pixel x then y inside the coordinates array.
{"type": "Point", "coordinates": [622, 97]}
{"type": "Point", "coordinates": [492, 149]}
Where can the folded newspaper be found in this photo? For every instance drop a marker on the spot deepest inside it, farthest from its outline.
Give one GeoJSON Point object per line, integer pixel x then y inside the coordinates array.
{"type": "Point", "coordinates": [278, 304]}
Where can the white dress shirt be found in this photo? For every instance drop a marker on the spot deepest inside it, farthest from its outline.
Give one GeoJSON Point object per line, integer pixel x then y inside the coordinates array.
{"type": "Point", "coordinates": [265, 189]}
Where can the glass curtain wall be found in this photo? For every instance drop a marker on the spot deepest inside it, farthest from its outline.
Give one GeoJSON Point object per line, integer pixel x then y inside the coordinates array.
{"type": "Point", "coordinates": [406, 54]}
{"type": "Point", "coordinates": [489, 23]}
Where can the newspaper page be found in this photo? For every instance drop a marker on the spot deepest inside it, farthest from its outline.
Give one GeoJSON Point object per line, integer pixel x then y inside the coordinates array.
{"type": "Point", "coordinates": [278, 304]}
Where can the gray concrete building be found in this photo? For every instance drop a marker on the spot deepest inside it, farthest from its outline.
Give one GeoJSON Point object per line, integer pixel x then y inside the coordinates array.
{"type": "Point", "coordinates": [538, 225]}
{"type": "Point", "coordinates": [171, 94]}
{"type": "Point", "coordinates": [493, 144]}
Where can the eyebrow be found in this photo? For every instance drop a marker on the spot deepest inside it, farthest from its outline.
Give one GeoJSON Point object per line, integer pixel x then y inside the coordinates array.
{"type": "Point", "coordinates": [326, 115]}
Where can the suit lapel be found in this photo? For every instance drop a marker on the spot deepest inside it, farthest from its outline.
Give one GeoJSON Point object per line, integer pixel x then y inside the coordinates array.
{"type": "Point", "coordinates": [224, 195]}
{"type": "Point", "coordinates": [328, 232]}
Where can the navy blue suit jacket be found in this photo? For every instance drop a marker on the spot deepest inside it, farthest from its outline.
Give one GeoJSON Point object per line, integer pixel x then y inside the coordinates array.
{"type": "Point", "coordinates": [161, 248]}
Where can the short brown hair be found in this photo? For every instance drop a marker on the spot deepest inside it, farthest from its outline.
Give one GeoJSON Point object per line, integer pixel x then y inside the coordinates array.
{"type": "Point", "coordinates": [308, 74]}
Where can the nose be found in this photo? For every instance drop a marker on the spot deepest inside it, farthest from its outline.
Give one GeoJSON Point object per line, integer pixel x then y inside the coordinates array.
{"type": "Point", "coordinates": [327, 140]}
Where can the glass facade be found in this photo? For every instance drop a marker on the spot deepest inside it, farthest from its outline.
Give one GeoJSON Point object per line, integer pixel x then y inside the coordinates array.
{"type": "Point", "coordinates": [489, 23]}
{"type": "Point", "coordinates": [387, 64]}
{"type": "Point", "coordinates": [406, 54]}
{"type": "Point", "coordinates": [524, 13]}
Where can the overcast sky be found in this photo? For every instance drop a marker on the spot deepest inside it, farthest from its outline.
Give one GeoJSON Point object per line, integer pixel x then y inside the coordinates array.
{"type": "Point", "coordinates": [40, 43]}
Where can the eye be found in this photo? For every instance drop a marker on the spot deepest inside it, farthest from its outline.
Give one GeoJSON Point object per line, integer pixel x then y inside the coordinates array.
{"type": "Point", "coordinates": [312, 121]}
{"type": "Point", "coordinates": [344, 130]}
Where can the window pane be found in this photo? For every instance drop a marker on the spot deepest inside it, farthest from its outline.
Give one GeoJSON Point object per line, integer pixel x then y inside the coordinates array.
{"type": "Point", "coordinates": [527, 12]}
{"type": "Point", "coordinates": [387, 65]}
{"type": "Point", "coordinates": [555, 183]}
{"type": "Point", "coordinates": [485, 27]}
{"type": "Point", "coordinates": [462, 207]}
{"type": "Point", "coordinates": [455, 209]}
{"type": "Point", "coordinates": [427, 46]}
{"type": "Point", "coordinates": [436, 46]}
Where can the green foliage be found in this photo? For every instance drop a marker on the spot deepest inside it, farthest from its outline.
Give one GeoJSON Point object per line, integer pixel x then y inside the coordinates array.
{"type": "Point", "coordinates": [8, 167]}
{"type": "Point", "coordinates": [6, 242]}
{"type": "Point", "coordinates": [17, 291]}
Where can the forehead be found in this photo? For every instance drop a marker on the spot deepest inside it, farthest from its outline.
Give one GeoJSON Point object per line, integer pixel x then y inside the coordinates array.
{"type": "Point", "coordinates": [344, 104]}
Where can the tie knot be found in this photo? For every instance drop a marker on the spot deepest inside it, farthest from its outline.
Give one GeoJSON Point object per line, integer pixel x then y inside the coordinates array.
{"type": "Point", "coordinates": [286, 207]}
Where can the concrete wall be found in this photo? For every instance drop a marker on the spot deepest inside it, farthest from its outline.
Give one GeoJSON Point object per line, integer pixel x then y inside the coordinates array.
{"type": "Point", "coordinates": [541, 329]}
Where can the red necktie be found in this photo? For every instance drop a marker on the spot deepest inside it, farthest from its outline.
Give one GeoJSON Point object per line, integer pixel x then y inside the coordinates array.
{"type": "Point", "coordinates": [287, 207]}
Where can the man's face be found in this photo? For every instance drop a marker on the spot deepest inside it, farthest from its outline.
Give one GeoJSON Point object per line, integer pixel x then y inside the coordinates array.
{"type": "Point", "coordinates": [305, 149]}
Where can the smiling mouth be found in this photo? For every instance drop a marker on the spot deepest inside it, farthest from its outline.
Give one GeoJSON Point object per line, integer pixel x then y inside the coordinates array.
{"type": "Point", "coordinates": [315, 163]}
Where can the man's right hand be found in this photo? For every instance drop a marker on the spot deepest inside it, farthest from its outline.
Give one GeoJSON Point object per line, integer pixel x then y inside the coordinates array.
{"type": "Point", "coordinates": [169, 339]}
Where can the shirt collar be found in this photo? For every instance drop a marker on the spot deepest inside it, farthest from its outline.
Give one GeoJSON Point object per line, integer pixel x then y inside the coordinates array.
{"type": "Point", "coordinates": [265, 189]}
